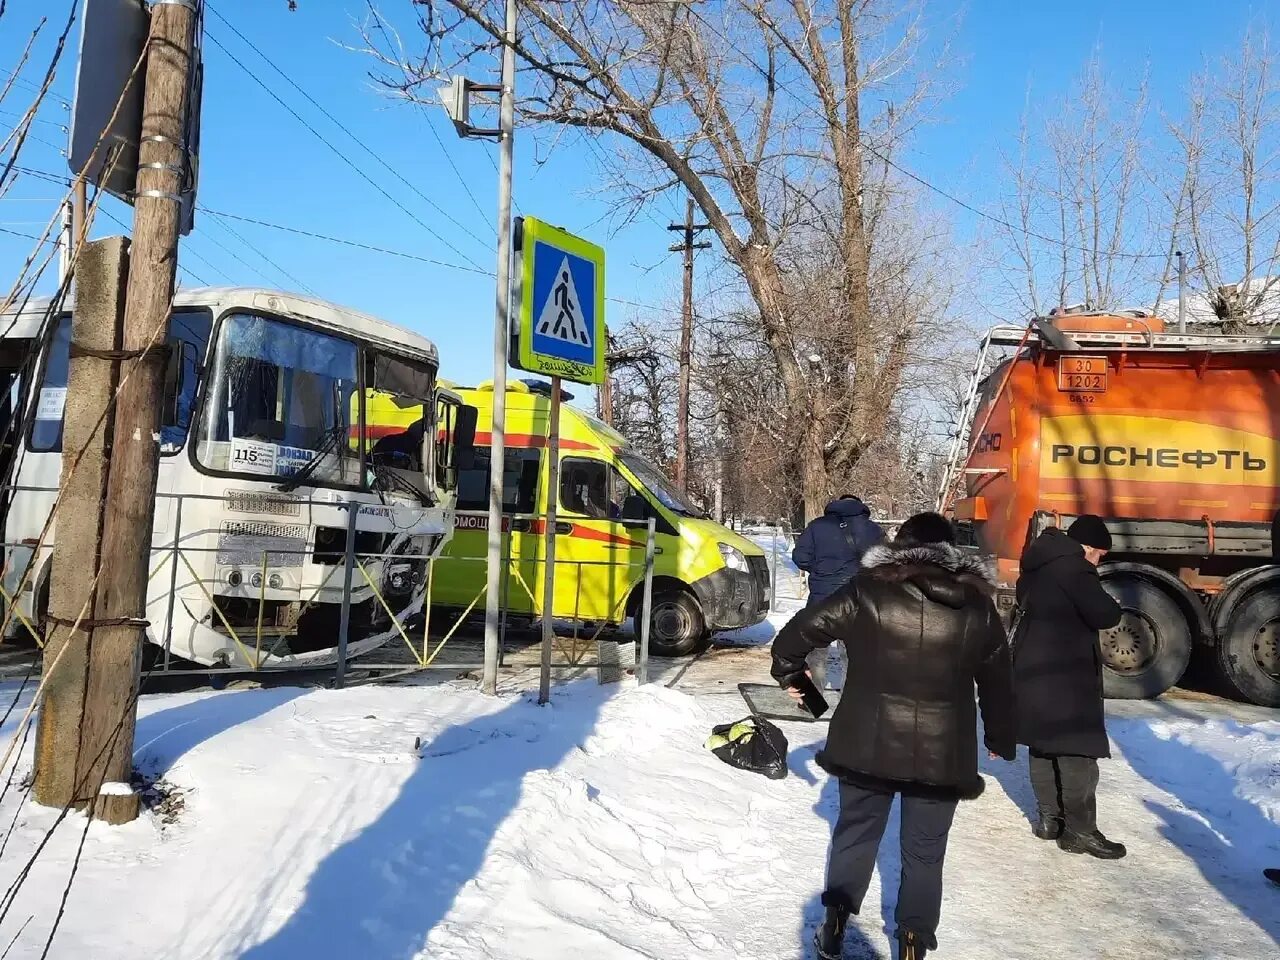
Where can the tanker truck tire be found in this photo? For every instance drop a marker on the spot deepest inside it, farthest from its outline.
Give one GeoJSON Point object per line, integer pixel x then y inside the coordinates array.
{"type": "Point", "coordinates": [1148, 651]}
{"type": "Point", "coordinates": [1249, 648]}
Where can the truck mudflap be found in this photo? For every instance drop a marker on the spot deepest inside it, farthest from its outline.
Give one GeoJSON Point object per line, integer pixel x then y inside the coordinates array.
{"type": "Point", "coordinates": [732, 599]}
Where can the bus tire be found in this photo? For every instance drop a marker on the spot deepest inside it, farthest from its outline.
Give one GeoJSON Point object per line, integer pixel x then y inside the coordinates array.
{"type": "Point", "coordinates": [1249, 647]}
{"type": "Point", "coordinates": [1148, 651]}
{"type": "Point", "coordinates": [677, 627]}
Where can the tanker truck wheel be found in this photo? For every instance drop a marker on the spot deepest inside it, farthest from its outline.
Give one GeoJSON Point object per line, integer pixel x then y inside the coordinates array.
{"type": "Point", "coordinates": [1148, 651]}
{"type": "Point", "coordinates": [1249, 649]}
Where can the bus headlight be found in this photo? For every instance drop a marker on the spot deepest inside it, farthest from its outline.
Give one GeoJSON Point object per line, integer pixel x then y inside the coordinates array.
{"type": "Point", "coordinates": [733, 557]}
{"type": "Point", "coordinates": [400, 579]}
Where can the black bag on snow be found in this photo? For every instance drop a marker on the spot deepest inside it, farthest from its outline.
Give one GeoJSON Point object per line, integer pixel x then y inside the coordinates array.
{"type": "Point", "coordinates": [751, 744]}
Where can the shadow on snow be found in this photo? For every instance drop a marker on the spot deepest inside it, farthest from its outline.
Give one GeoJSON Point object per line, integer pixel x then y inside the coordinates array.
{"type": "Point", "coordinates": [382, 892]}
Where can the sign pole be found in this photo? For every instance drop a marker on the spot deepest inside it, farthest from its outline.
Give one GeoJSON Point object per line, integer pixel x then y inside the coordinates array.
{"type": "Point", "coordinates": [549, 550]}
{"type": "Point", "coordinates": [501, 324]}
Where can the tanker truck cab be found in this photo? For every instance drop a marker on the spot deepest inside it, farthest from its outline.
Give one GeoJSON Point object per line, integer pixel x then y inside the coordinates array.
{"type": "Point", "coordinates": [706, 577]}
{"type": "Point", "coordinates": [1173, 439]}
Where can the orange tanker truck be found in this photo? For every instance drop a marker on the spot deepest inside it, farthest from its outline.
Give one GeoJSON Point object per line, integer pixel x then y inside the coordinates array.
{"type": "Point", "coordinates": [1174, 440]}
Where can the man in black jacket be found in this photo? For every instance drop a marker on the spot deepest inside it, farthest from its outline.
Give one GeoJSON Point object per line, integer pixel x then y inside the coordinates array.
{"type": "Point", "coordinates": [829, 551]}
{"type": "Point", "coordinates": [1057, 669]}
{"type": "Point", "coordinates": [920, 629]}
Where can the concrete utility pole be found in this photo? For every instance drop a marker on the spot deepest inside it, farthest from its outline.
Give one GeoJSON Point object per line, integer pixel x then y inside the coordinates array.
{"type": "Point", "coordinates": [115, 628]}
{"type": "Point", "coordinates": [690, 230]}
{"type": "Point", "coordinates": [62, 762]}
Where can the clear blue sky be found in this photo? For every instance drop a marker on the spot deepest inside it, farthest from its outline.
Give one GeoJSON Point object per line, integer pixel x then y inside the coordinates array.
{"type": "Point", "coordinates": [259, 161]}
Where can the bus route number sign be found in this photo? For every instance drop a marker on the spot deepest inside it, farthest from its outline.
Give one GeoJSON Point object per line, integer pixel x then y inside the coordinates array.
{"type": "Point", "coordinates": [1082, 374]}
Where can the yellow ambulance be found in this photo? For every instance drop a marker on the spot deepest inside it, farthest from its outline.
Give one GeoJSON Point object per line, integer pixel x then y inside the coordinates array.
{"type": "Point", "coordinates": [706, 577]}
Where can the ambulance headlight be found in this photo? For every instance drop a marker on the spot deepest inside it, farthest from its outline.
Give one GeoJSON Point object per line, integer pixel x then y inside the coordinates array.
{"type": "Point", "coordinates": [733, 557]}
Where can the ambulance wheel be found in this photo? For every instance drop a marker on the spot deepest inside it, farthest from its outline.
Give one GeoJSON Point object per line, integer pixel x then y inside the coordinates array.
{"type": "Point", "coordinates": [1147, 652]}
{"type": "Point", "coordinates": [676, 625]}
{"type": "Point", "coordinates": [1249, 647]}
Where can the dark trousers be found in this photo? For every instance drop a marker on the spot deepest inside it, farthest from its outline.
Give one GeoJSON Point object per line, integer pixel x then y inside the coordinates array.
{"type": "Point", "coordinates": [856, 840]}
{"type": "Point", "coordinates": [1066, 787]}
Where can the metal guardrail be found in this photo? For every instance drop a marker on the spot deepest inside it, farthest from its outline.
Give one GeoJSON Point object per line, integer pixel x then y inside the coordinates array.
{"type": "Point", "coordinates": [257, 644]}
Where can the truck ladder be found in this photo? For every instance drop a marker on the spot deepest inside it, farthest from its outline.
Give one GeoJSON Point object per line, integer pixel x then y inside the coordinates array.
{"type": "Point", "coordinates": [959, 448]}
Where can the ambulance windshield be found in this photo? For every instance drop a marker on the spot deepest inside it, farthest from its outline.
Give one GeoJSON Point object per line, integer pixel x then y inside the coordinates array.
{"type": "Point", "coordinates": [657, 483]}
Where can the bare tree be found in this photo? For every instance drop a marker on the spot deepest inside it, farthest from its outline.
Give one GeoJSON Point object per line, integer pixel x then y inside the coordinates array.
{"type": "Point", "coordinates": [1074, 222]}
{"type": "Point", "coordinates": [762, 111]}
{"type": "Point", "coordinates": [1228, 193]}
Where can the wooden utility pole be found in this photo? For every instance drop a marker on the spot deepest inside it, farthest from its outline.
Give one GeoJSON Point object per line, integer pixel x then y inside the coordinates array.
{"type": "Point", "coordinates": [690, 231]}
{"type": "Point", "coordinates": [117, 622]}
{"type": "Point", "coordinates": [606, 394]}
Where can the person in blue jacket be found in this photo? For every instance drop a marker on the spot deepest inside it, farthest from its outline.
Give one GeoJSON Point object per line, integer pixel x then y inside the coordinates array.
{"type": "Point", "coordinates": [830, 552]}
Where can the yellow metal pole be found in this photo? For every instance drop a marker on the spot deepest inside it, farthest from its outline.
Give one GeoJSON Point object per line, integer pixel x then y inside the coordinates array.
{"type": "Point", "coordinates": [262, 602]}
{"type": "Point", "coordinates": [426, 608]}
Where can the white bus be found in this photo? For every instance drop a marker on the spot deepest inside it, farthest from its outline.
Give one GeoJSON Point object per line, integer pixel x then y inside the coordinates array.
{"type": "Point", "coordinates": [282, 414]}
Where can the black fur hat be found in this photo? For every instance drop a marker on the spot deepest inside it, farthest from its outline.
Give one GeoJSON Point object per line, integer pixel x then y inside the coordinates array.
{"type": "Point", "coordinates": [926, 528]}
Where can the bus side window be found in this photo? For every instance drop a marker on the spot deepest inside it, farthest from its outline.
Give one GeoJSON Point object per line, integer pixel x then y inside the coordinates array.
{"type": "Point", "coordinates": [188, 343]}
{"type": "Point", "coordinates": [51, 397]}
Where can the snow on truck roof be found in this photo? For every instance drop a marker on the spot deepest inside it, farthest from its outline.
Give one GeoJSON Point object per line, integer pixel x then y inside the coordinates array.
{"type": "Point", "coordinates": [26, 324]}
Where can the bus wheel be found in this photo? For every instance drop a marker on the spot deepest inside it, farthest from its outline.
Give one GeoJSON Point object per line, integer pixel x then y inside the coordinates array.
{"type": "Point", "coordinates": [1148, 651]}
{"type": "Point", "coordinates": [1249, 648]}
{"type": "Point", "coordinates": [676, 625]}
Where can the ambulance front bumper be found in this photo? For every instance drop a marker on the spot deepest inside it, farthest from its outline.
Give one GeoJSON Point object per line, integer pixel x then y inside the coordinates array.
{"type": "Point", "coordinates": [732, 599]}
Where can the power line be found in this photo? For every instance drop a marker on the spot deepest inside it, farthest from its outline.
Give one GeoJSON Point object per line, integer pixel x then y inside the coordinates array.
{"type": "Point", "coordinates": [347, 160]}
{"type": "Point", "coordinates": [20, 81]}
{"type": "Point", "coordinates": [347, 243]}
{"type": "Point", "coordinates": [279, 269]}
{"type": "Point", "coordinates": [355, 244]}
{"type": "Point", "coordinates": [785, 86]}
{"type": "Point", "coordinates": [341, 126]}
{"type": "Point", "coordinates": [185, 269]}
{"type": "Point", "coordinates": [382, 28]}
{"type": "Point", "coordinates": [976, 211]}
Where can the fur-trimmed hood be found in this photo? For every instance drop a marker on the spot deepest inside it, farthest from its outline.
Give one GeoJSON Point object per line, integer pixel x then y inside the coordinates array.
{"type": "Point", "coordinates": [941, 571]}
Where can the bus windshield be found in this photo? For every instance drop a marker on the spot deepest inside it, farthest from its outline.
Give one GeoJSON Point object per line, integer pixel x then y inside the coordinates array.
{"type": "Point", "coordinates": [279, 402]}
{"type": "Point", "coordinates": [657, 483]}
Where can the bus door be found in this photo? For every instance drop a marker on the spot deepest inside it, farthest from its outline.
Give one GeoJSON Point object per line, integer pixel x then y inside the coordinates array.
{"type": "Point", "coordinates": [597, 557]}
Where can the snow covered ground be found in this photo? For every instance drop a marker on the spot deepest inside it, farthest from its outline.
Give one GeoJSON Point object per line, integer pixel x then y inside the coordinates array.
{"type": "Point", "coordinates": [599, 826]}
{"type": "Point", "coordinates": [309, 825]}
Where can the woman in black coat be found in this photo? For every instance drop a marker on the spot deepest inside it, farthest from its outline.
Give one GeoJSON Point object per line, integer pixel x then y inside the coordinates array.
{"type": "Point", "coordinates": [921, 629]}
{"type": "Point", "coordinates": [1057, 669]}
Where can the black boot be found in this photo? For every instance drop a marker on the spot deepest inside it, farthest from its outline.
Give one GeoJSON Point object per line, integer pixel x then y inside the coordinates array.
{"type": "Point", "coordinates": [1047, 828]}
{"type": "Point", "coordinates": [830, 936]}
{"type": "Point", "coordinates": [1092, 843]}
{"type": "Point", "coordinates": [910, 947]}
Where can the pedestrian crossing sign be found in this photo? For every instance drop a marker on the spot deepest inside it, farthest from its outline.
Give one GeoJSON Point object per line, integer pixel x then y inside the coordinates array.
{"type": "Point", "coordinates": [560, 329]}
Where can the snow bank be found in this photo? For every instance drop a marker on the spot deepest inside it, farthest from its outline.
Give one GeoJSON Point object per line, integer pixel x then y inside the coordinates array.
{"type": "Point", "coordinates": [599, 827]}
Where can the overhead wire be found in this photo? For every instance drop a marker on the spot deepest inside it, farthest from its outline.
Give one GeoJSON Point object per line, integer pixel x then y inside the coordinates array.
{"type": "Point", "coordinates": [343, 241]}
{"type": "Point", "coordinates": [346, 159]}
{"type": "Point", "coordinates": [785, 86]}
{"type": "Point", "coordinates": [355, 137]}
{"type": "Point", "coordinates": [382, 28]}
